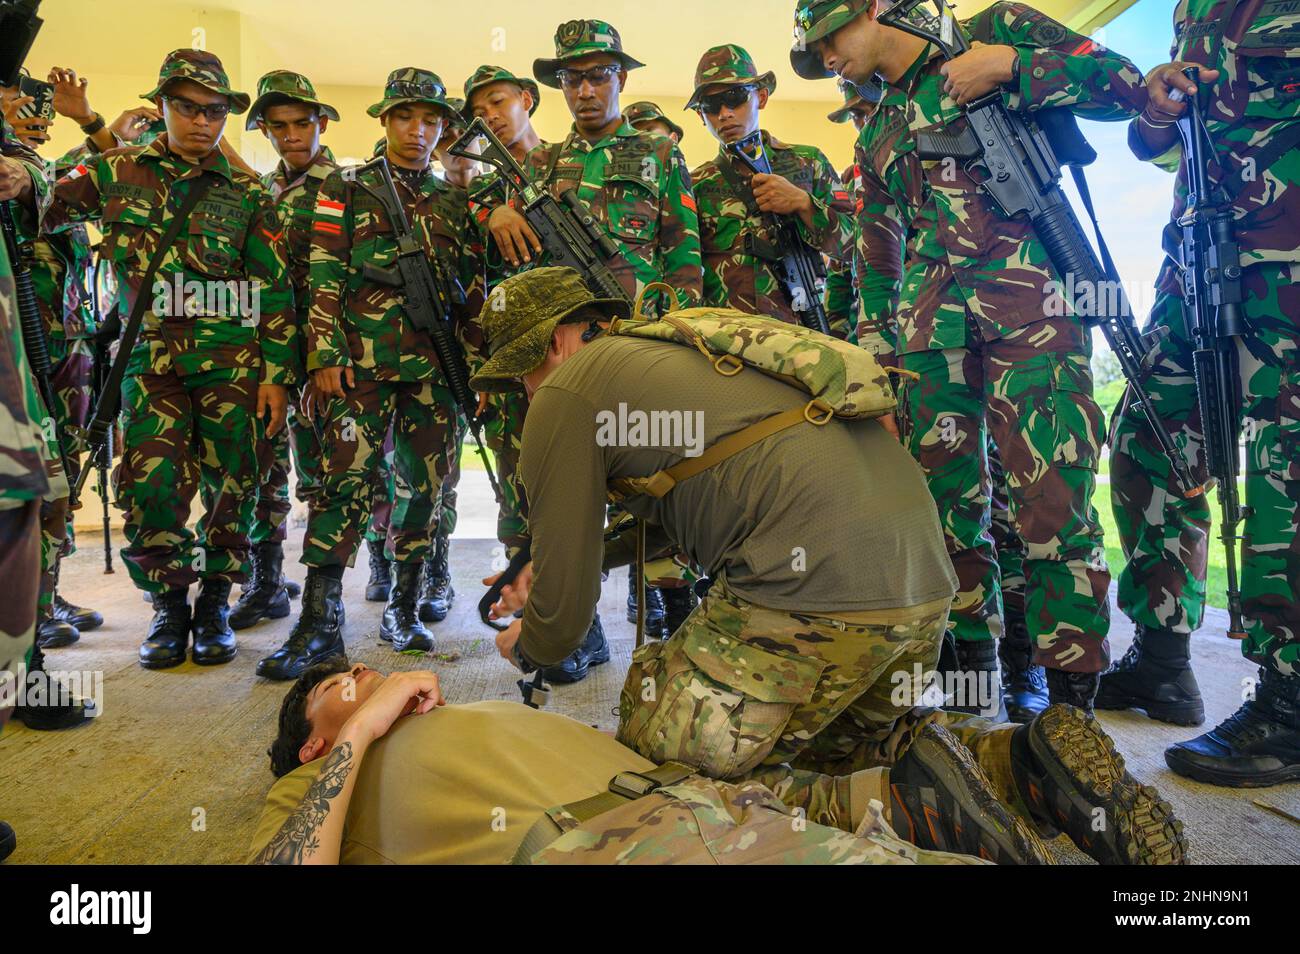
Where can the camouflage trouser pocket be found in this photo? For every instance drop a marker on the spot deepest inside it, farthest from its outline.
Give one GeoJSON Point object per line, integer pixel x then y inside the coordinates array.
{"type": "Point", "coordinates": [1079, 430]}
{"type": "Point", "coordinates": [1287, 460]}
{"type": "Point", "coordinates": [712, 701]}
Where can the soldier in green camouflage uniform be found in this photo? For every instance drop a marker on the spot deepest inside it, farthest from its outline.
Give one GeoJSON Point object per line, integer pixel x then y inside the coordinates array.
{"type": "Point", "coordinates": [206, 365]}
{"type": "Point", "coordinates": [738, 249]}
{"type": "Point", "coordinates": [841, 275]}
{"type": "Point", "coordinates": [648, 117]}
{"type": "Point", "coordinates": [1247, 52]}
{"type": "Point", "coordinates": [365, 354]}
{"type": "Point", "coordinates": [292, 118]}
{"type": "Point", "coordinates": [971, 311]}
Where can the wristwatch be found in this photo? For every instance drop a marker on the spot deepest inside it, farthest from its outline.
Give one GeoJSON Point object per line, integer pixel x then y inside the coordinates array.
{"type": "Point", "coordinates": [94, 126]}
{"type": "Point", "coordinates": [1013, 84]}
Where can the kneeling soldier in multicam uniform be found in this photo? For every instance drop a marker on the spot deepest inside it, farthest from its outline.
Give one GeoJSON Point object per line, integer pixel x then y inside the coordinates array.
{"type": "Point", "coordinates": [803, 652]}
{"type": "Point", "coordinates": [292, 118]}
{"type": "Point", "coordinates": [365, 354]}
{"type": "Point", "coordinates": [206, 365]}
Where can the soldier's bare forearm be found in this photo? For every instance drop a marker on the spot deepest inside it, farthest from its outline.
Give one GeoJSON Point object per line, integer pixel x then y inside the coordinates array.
{"type": "Point", "coordinates": [313, 834]}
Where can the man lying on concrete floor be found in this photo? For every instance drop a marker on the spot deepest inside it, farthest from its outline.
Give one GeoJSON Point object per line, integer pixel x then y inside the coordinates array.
{"type": "Point", "coordinates": [375, 769]}
{"type": "Point", "coordinates": [831, 581]}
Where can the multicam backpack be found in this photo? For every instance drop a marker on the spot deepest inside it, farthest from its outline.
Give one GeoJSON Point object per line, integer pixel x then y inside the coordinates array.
{"type": "Point", "coordinates": [842, 380]}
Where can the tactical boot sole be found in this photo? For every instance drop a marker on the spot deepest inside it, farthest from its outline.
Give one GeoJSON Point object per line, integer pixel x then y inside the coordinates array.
{"type": "Point", "coordinates": [163, 663]}
{"type": "Point", "coordinates": [959, 812]}
{"type": "Point", "coordinates": [215, 660]}
{"type": "Point", "coordinates": [301, 665]}
{"type": "Point", "coordinates": [1085, 781]}
{"type": "Point", "coordinates": [1113, 698]}
{"type": "Point", "coordinates": [1201, 773]}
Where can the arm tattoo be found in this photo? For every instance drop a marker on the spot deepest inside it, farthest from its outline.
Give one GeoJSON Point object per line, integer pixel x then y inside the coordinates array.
{"type": "Point", "coordinates": [298, 836]}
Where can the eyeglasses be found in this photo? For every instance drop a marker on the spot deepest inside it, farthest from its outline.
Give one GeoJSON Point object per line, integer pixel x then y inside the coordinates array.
{"type": "Point", "coordinates": [596, 76]}
{"type": "Point", "coordinates": [732, 98]}
{"type": "Point", "coordinates": [415, 89]}
{"type": "Point", "coordinates": [215, 112]}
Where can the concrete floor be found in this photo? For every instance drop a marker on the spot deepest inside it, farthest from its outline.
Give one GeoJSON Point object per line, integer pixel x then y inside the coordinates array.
{"type": "Point", "coordinates": [174, 770]}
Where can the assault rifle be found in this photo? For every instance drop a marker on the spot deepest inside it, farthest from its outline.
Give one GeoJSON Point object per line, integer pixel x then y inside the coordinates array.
{"type": "Point", "coordinates": [799, 267]}
{"type": "Point", "coordinates": [103, 291]}
{"type": "Point", "coordinates": [428, 294]}
{"type": "Point", "coordinates": [1016, 158]}
{"type": "Point", "coordinates": [1211, 272]}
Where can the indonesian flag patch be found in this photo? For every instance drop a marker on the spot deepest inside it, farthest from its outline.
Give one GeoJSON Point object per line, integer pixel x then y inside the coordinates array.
{"type": "Point", "coordinates": [329, 207]}
{"type": "Point", "coordinates": [76, 172]}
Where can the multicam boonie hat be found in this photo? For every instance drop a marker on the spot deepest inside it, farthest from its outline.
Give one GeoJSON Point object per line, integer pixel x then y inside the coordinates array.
{"type": "Point", "coordinates": [486, 75]}
{"type": "Point", "coordinates": [520, 316]}
{"type": "Point", "coordinates": [728, 65]}
{"type": "Point", "coordinates": [284, 86]}
{"type": "Point", "coordinates": [813, 20]}
{"type": "Point", "coordinates": [856, 96]}
{"type": "Point", "coordinates": [575, 38]}
{"type": "Point", "coordinates": [203, 68]}
{"type": "Point", "coordinates": [410, 84]}
{"type": "Point", "coordinates": [646, 111]}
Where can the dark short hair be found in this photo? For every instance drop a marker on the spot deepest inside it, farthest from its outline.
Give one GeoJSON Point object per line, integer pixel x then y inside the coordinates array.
{"type": "Point", "coordinates": [295, 727]}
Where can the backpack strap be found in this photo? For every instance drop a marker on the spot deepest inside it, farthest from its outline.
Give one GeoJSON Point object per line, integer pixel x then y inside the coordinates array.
{"type": "Point", "coordinates": [658, 484]}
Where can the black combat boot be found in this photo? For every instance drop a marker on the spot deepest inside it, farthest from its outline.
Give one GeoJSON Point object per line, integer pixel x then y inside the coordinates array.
{"type": "Point", "coordinates": [265, 595]}
{"type": "Point", "coordinates": [436, 592]}
{"type": "Point", "coordinates": [654, 607]}
{"type": "Point", "coordinates": [594, 651]}
{"type": "Point", "coordinates": [8, 840]}
{"type": "Point", "coordinates": [169, 633]}
{"type": "Point", "coordinates": [401, 623]}
{"type": "Point", "coordinates": [380, 583]}
{"type": "Point", "coordinates": [316, 636]}
{"type": "Point", "coordinates": [1156, 675]}
{"type": "Point", "coordinates": [1024, 685]}
{"type": "Point", "coordinates": [54, 633]}
{"type": "Point", "coordinates": [1257, 745]}
{"type": "Point", "coordinates": [55, 707]}
{"type": "Point", "coordinates": [679, 603]}
{"type": "Point", "coordinates": [214, 642]}
{"type": "Point", "coordinates": [1071, 779]}
{"type": "Point", "coordinates": [1076, 689]}
{"type": "Point", "coordinates": [968, 675]}
{"type": "Point", "coordinates": [941, 800]}
{"type": "Point", "coordinates": [83, 619]}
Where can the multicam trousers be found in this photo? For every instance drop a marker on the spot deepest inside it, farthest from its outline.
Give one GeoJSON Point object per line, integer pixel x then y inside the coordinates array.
{"type": "Point", "coordinates": [182, 435]}
{"type": "Point", "coordinates": [1030, 393]}
{"type": "Point", "coordinates": [1164, 535]}
{"type": "Point", "coordinates": [424, 451]}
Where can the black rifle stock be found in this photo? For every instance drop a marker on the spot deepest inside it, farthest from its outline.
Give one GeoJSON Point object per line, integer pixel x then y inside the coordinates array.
{"type": "Point", "coordinates": [1014, 161]}
{"type": "Point", "coordinates": [428, 294]}
{"type": "Point", "coordinates": [800, 268]}
{"type": "Point", "coordinates": [569, 233]}
{"type": "Point", "coordinates": [1211, 274]}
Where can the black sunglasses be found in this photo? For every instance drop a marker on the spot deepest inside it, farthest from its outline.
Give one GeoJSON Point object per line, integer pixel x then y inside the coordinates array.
{"type": "Point", "coordinates": [732, 98]}
{"type": "Point", "coordinates": [190, 109]}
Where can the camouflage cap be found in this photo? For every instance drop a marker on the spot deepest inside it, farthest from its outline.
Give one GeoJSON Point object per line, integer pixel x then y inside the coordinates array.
{"type": "Point", "coordinates": [728, 65]}
{"type": "Point", "coordinates": [575, 38]}
{"type": "Point", "coordinates": [284, 86]}
{"type": "Point", "coordinates": [201, 67]}
{"type": "Point", "coordinates": [411, 85]}
{"type": "Point", "coordinates": [646, 111]}
{"type": "Point", "coordinates": [487, 75]}
{"type": "Point", "coordinates": [813, 20]}
{"type": "Point", "coordinates": [519, 319]}
{"type": "Point", "coordinates": [856, 96]}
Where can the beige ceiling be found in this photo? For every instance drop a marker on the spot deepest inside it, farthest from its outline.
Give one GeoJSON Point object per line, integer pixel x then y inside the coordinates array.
{"type": "Point", "coordinates": [355, 42]}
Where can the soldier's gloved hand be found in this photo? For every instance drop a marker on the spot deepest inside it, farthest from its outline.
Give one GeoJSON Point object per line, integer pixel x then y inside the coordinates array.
{"type": "Point", "coordinates": [515, 238]}
{"type": "Point", "coordinates": [780, 196]}
{"type": "Point", "coordinates": [979, 70]}
{"type": "Point", "coordinates": [15, 180]}
{"type": "Point", "coordinates": [272, 406]}
{"type": "Point", "coordinates": [331, 381]}
{"type": "Point", "coordinates": [513, 595]}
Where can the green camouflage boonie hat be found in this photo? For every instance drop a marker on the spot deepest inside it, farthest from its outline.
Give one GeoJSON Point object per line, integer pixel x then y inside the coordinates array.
{"type": "Point", "coordinates": [520, 316]}
{"type": "Point", "coordinates": [813, 20]}
{"type": "Point", "coordinates": [728, 65]}
{"type": "Point", "coordinates": [856, 96]}
{"type": "Point", "coordinates": [486, 75]}
{"type": "Point", "coordinates": [203, 68]}
{"type": "Point", "coordinates": [646, 111]}
{"type": "Point", "coordinates": [284, 86]}
{"type": "Point", "coordinates": [575, 38]}
{"type": "Point", "coordinates": [411, 85]}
